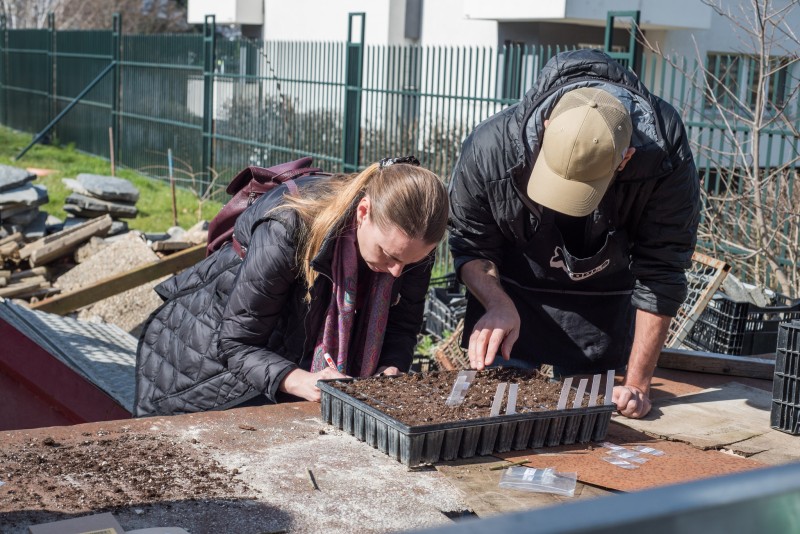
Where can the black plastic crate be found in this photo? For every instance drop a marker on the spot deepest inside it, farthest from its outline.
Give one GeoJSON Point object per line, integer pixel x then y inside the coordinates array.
{"type": "Point", "coordinates": [444, 308]}
{"type": "Point", "coordinates": [413, 445]}
{"type": "Point", "coordinates": [740, 328]}
{"type": "Point", "coordinates": [785, 413]}
{"type": "Point", "coordinates": [448, 281]}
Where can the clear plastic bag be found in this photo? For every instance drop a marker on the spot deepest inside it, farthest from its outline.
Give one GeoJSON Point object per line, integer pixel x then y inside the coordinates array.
{"type": "Point", "coordinates": [539, 480]}
{"type": "Point", "coordinates": [619, 462]}
{"type": "Point", "coordinates": [648, 450]}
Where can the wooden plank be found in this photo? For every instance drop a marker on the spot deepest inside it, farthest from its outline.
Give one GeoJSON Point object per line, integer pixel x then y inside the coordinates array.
{"type": "Point", "coordinates": [758, 366]}
{"type": "Point", "coordinates": [36, 271]}
{"type": "Point", "coordinates": [8, 249]}
{"type": "Point", "coordinates": [170, 246]}
{"type": "Point", "coordinates": [28, 249]}
{"type": "Point", "coordinates": [114, 285]}
{"type": "Point", "coordinates": [709, 419]}
{"type": "Point", "coordinates": [22, 288]}
{"type": "Point", "coordinates": [16, 236]}
{"type": "Point", "coordinates": [480, 489]}
{"type": "Point", "coordinates": [681, 462]}
{"type": "Point", "coordinates": [60, 247]}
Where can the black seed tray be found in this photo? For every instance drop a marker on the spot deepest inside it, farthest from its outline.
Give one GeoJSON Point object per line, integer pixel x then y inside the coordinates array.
{"type": "Point", "coordinates": [785, 412]}
{"type": "Point", "coordinates": [413, 445]}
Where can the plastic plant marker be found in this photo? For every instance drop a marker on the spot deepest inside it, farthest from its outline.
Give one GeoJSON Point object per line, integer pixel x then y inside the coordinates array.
{"type": "Point", "coordinates": [562, 400]}
{"type": "Point", "coordinates": [498, 399]}
{"type": "Point", "coordinates": [579, 395]}
{"type": "Point", "coordinates": [459, 391]}
{"type": "Point", "coordinates": [609, 386]}
{"type": "Point", "coordinates": [595, 390]}
{"type": "Point", "coordinates": [511, 406]}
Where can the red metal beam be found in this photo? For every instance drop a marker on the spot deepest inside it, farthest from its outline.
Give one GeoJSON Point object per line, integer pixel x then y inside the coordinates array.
{"type": "Point", "coordinates": [37, 389]}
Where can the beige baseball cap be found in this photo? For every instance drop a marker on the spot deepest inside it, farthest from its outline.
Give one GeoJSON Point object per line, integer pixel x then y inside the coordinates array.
{"type": "Point", "coordinates": [583, 144]}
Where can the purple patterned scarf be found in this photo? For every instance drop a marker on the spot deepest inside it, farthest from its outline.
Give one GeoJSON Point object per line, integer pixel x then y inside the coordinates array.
{"type": "Point", "coordinates": [340, 319]}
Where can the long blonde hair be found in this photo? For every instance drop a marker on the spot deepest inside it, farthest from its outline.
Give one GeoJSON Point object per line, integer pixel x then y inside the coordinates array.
{"type": "Point", "coordinates": [408, 197]}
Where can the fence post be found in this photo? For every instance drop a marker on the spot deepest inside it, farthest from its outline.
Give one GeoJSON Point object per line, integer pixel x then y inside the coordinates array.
{"type": "Point", "coordinates": [209, 49]}
{"type": "Point", "coordinates": [116, 55]}
{"type": "Point", "coordinates": [3, 67]}
{"type": "Point", "coordinates": [52, 93]}
{"type": "Point", "coordinates": [354, 70]}
{"type": "Point", "coordinates": [629, 58]}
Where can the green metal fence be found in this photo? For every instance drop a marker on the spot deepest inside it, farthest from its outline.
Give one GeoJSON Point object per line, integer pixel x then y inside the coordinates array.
{"type": "Point", "coordinates": [221, 105]}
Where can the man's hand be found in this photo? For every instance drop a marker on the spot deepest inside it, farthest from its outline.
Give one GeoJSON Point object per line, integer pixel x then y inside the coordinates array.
{"type": "Point", "coordinates": [303, 384]}
{"type": "Point", "coordinates": [498, 329]}
{"type": "Point", "coordinates": [631, 401]}
{"type": "Point", "coordinates": [632, 398]}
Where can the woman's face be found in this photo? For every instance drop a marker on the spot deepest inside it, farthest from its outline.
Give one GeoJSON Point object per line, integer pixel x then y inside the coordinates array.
{"type": "Point", "coordinates": [386, 250]}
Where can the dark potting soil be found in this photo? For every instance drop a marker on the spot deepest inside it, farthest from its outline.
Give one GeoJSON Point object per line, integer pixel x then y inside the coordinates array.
{"type": "Point", "coordinates": [105, 471]}
{"type": "Point", "coordinates": [419, 398]}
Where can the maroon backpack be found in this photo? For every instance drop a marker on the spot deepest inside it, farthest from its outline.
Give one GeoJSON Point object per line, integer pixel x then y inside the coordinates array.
{"type": "Point", "coordinates": [246, 187]}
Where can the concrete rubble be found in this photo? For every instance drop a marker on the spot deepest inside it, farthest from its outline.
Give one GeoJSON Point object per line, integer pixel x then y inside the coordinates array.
{"type": "Point", "coordinates": [109, 257]}
{"type": "Point", "coordinates": [42, 257]}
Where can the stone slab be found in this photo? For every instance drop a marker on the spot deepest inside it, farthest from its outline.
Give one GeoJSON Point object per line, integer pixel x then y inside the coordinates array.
{"type": "Point", "coordinates": [109, 187]}
{"type": "Point", "coordinates": [25, 195]}
{"type": "Point", "coordinates": [13, 177]}
{"type": "Point", "coordinates": [86, 204]}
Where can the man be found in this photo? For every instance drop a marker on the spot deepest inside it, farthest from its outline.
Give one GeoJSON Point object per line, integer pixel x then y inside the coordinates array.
{"type": "Point", "coordinates": [573, 218]}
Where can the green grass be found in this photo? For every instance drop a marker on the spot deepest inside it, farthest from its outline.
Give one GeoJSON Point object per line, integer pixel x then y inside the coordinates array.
{"type": "Point", "coordinates": [155, 200]}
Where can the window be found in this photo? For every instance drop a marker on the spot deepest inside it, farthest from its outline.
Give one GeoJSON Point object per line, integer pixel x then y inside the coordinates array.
{"type": "Point", "coordinates": [733, 80]}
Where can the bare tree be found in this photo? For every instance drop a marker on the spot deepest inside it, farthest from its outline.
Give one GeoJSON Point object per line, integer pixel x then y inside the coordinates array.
{"type": "Point", "coordinates": [28, 13]}
{"type": "Point", "coordinates": [138, 16]}
{"type": "Point", "coordinates": [744, 136]}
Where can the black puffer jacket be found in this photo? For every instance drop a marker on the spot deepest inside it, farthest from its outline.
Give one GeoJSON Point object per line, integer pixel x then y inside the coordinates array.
{"type": "Point", "coordinates": [657, 193]}
{"type": "Point", "coordinates": [231, 329]}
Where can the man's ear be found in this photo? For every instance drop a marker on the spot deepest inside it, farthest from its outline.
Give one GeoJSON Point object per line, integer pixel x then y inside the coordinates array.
{"type": "Point", "coordinates": [626, 158]}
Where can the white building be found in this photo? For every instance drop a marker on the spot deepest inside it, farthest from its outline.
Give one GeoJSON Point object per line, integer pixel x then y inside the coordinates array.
{"type": "Point", "coordinates": [458, 73]}
{"type": "Point", "coordinates": [673, 24]}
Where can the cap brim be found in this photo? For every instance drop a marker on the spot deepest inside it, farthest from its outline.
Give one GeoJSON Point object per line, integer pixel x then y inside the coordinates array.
{"type": "Point", "coordinates": [570, 197]}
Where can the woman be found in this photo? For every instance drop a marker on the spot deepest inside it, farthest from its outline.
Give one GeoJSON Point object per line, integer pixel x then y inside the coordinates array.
{"type": "Point", "coordinates": [321, 284]}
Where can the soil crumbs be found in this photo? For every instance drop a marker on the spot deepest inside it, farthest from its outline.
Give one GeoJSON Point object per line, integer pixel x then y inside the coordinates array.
{"type": "Point", "coordinates": [106, 472]}
{"type": "Point", "coordinates": [419, 398]}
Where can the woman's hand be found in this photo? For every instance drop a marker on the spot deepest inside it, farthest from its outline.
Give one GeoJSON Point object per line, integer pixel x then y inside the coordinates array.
{"type": "Point", "coordinates": [303, 384]}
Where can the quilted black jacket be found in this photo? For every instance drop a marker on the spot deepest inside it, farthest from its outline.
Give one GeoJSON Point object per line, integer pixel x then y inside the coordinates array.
{"type": "Point", "coordinates": [231, 329]}
{"type": "Point", "coordinates": [658, 196]}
